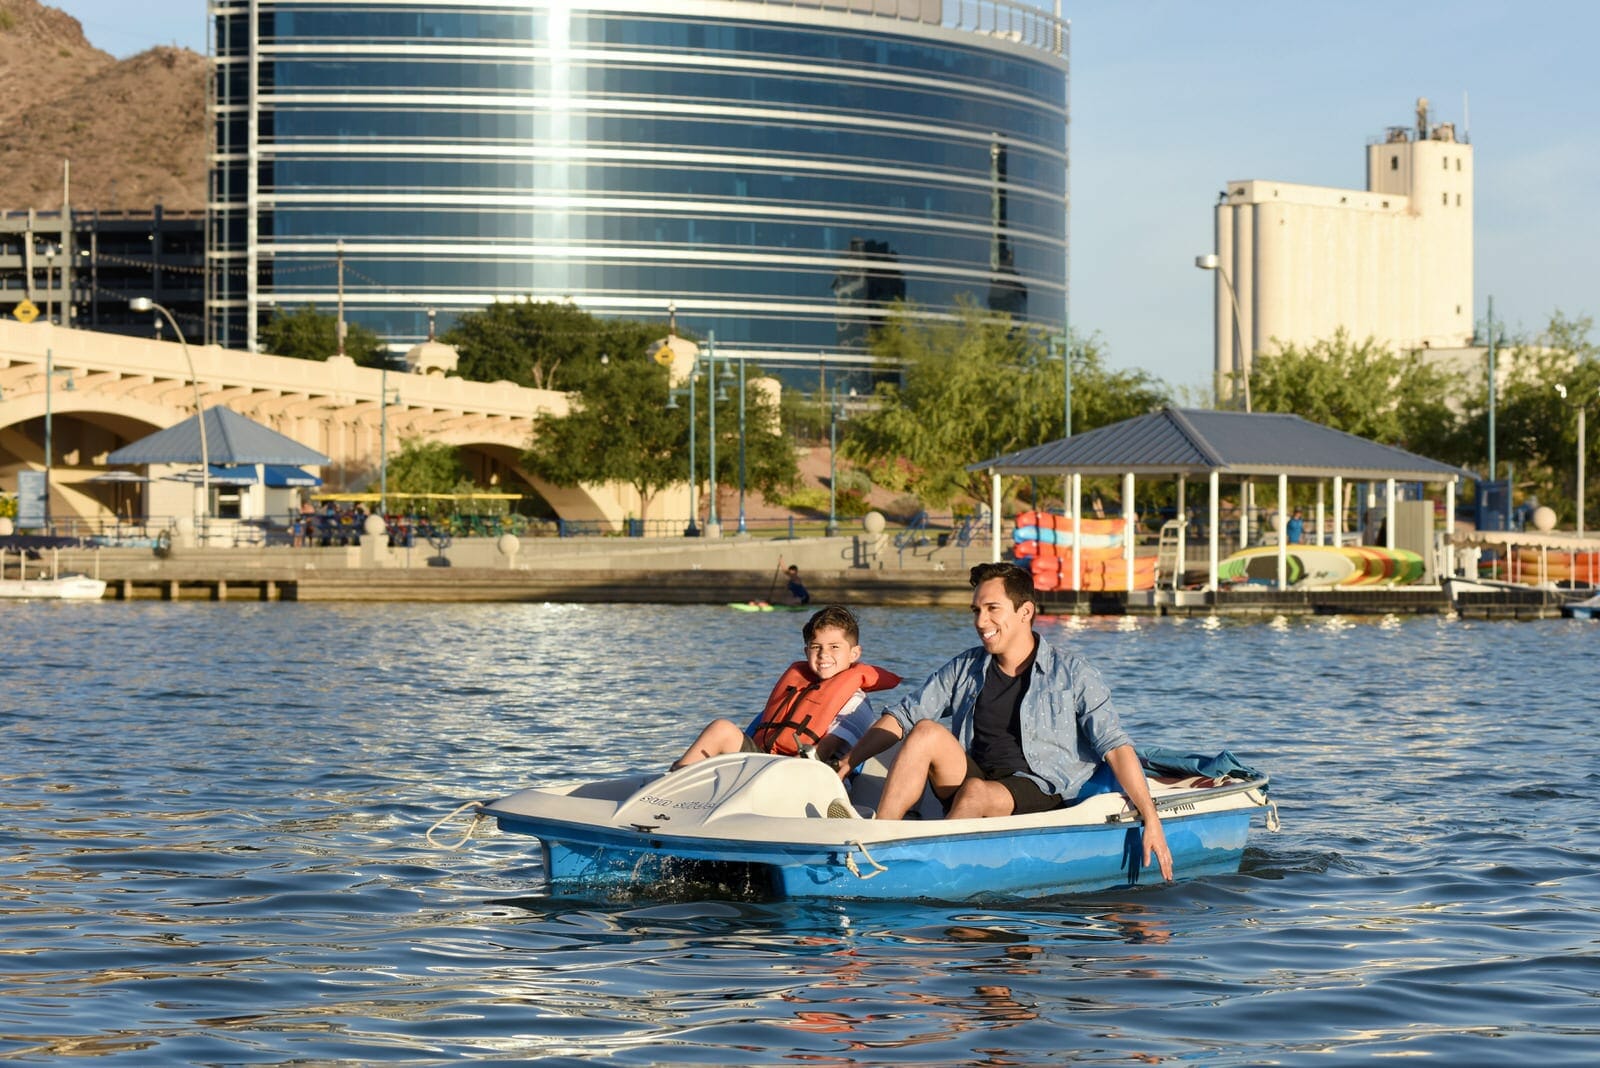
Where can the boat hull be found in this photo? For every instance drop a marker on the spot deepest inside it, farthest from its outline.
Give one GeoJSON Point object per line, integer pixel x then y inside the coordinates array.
{"type": "Point", "coordinates": [1004, 865]}
{"type": "Point", "coordinates": [774, 827]}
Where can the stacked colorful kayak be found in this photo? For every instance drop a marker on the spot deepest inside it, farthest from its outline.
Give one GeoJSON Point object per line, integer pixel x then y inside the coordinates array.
{"type": "Point", "coordinates": [1324, 566]}
{"type": "Point", "coordinates": [1579, 568]}
{"type": "Point", "coordinates": [1042, 542]}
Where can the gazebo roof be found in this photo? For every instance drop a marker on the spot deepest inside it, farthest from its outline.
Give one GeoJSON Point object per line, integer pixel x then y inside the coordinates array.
{"type": "Point", "coordinates": [1193, 441]}
{"type": "Point", "coordinates": [230, 439]}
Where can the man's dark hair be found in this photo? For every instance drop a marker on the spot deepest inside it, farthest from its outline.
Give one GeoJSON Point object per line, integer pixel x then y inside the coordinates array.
{"type": "Point", "coordinates": [1019, 582]}
{"type": "Point", "coordinates": [835, 615]}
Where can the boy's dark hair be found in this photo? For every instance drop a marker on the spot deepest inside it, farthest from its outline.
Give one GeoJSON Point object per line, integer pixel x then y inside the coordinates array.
{"type": "Point", "coordinates": [835, 615]}
{"type": "Point", "coordinates": [1019, 582]}
{"type": "Point", "coordinates": [792, 569]}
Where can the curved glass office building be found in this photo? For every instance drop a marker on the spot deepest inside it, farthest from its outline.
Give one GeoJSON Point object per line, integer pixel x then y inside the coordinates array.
{"type": "Point", "coordinates": [780, 170]}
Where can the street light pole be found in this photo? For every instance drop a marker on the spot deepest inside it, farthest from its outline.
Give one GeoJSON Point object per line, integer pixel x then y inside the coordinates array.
{"type": "Point", "coordinates": [383, 440]}
{"type": "Point", "coordinates": [144, 304]}
{"type": "Point", "coordinates": [1582, 448]}
{"type": "Point", "coordinates": [1065, 343]}
{"type": "Point", "coordinates": [833, 464]}
{"type": "Point", "coordinates": [1210, 262]}
{"type": "Point", "coordinates": [741, 445]}
{"type": "Point", "coordinates": [711, 402]}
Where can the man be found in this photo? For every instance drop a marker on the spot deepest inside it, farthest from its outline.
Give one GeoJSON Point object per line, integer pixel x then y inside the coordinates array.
{"type": "Point", "coordinates": [797, 589]}
{"type": "Point", "coordinates": [1011, 727]}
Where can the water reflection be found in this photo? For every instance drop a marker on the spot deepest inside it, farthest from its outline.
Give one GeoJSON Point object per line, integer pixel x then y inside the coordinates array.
{"type": "Point", "coordinates": [221, 859]}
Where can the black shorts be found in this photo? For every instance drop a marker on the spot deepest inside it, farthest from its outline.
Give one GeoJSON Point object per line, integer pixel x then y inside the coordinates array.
{"type": "Point", "coordinates": [1026, 796]}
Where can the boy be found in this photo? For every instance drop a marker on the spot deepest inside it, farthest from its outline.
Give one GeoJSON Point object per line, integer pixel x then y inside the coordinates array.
{"type": "Point", "coordinates": [818, 703]}
{"type": "Point", "coordinates": [797, 589]}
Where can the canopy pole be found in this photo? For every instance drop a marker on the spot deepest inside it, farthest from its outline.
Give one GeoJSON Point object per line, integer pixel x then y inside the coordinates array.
{"type": "Point", "coordinates": [1322, 538]}
{"type": "Point", "coordinates": [1338, 511]}
{"type": "Point", "coordinates": [1183, 526]}
{"type": "Point", "coordinates": [1128, 528]}
{"type": "Point", "coordinates": [994, 513]}
{"type": "Point", "coordinates": [1388, 514]}
{"type": "Point", "coordinates": [1246, 504]}
{"type": "Point", "coordinates": [1283, 531]}
{"type": "Point", "coordinates": [1450, 527]}
{"type": "Point", "coordinates": [1214, 484]}
{"type": "Point", "coordinates": [1077, 532]}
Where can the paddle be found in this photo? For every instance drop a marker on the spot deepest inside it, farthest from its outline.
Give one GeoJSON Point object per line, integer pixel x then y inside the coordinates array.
{"type": "Point", "coordinates": [774, 583]}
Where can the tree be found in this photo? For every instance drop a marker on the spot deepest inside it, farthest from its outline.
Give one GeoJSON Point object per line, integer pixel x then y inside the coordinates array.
{"type": "Point", "coordinates": [975, 387]}
{"type": "Point", "coordinates": [542, 344]}
{"type": "Point", "coordinates": [425, 467]}
{"type": "Point", "coordinates": [308, 334]}
{"type": "Point", "coordinates": [1363, 389]}
{"type": "Point", "coordinates": [1535, 428]}
{"type": "Point", "coordinates": [620, 430]}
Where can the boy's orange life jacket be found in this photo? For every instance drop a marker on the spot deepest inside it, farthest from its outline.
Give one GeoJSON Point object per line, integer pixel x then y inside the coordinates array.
{"type": "Point", "coordinates": [802, 707]}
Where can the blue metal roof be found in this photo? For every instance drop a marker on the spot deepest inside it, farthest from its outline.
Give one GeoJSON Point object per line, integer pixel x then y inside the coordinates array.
{"type": "Point", "coordinates": [230, 439]}
{"type": "Point", "coordinates": [1193, 441]}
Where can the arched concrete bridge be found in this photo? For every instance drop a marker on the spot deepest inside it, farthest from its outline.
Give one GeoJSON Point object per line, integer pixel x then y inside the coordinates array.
{"type": "Point", "coordinates": [108, 390]}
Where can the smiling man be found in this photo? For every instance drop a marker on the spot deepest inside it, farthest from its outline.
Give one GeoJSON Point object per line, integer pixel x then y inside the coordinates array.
{"type": "Point", "coordinates": [1010, 727]}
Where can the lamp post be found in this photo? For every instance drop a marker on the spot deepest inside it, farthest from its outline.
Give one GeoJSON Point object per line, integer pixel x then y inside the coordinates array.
{"type": "Point", "coordinates": [741, 445]}
{"type": "Point", "coordinates": [694, 488]}
{"type": "Point", "coordinates": [1065, 343]}
{"type": "Point", "coordinates": [383, 438]}
{"type": "Point", "coordinates": [833, 464]}
{"type": "Point", "coordinates": [712, 523]}
{"type": "Point", "coordinates": [49, 271]}
{"type": "Point", "coordinates": [1210, 262]}
{"type": "Point", "coordinates": [144, 304]}
{"type": "Point", "coordinates": [1582, 448]}
{"type": "Point", "coordinates": [49, 448]}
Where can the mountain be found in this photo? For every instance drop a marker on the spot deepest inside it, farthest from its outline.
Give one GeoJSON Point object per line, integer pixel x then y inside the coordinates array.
{"type": "Point", "coordinates": [134, 129]}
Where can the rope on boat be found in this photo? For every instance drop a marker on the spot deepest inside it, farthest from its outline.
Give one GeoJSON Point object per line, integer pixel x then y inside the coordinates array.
{"type": "Point", "coordinates": [1272, 816]}
{"type": "Point", "coordinates": [473, 826]}
{"type": "Point", "coordinates": [850, 862]}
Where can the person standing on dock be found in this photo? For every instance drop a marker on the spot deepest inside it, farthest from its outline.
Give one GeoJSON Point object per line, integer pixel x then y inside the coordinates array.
{"type": "Point", "coordinates": [1010, 727]}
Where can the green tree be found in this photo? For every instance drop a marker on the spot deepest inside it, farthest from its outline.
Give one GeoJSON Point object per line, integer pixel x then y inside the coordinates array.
{"type": "Point", "coordinates": [973, 387]}
{"type": "Point", "coordinates": [1364, 389]}
{"type": "Point", "coordinates": [1536, 429]}
{"type": "Point", "coordinates": [425, 467]}
{"type": "Point", "coordinates": [620, 429]}
{"type": "Point", "coordinates": [307, 334]}
{"type": "Point", "coordinates": [542, 344]}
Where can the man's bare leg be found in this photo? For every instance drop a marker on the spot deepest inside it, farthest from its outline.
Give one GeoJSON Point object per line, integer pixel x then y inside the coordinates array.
{"type": "Point", "coordinates": [929, 754]}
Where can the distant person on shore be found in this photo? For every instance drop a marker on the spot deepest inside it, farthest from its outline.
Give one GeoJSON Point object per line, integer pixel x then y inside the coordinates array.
{"type": "Point", "coordinates": [797, 589]}
{"type": "Point", "coordinates": [1011, 727]}
{"type": "Point", "coordinates": [1296, 529]}
{"type": "Point", "coordinates": [819, 703]}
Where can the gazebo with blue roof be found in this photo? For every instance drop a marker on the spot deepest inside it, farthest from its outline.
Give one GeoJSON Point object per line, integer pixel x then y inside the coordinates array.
{"type": "Point", "coordinates": [1222, 446]}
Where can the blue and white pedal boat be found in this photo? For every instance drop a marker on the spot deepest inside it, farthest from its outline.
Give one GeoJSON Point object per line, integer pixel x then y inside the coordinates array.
{"type": "Point", "coordinates": [782, 827]}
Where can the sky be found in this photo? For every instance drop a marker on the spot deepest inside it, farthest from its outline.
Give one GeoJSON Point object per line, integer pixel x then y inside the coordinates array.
{"type": "Point", "coordinates": [1172, 99]}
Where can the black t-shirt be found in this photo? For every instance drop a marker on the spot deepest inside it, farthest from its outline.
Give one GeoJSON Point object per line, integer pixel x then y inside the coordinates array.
{"type": "Point", "coordinates": [997, 721]}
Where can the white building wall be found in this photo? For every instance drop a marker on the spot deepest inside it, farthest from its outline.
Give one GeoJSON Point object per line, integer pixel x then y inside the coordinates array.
{"type": "Point", "coordinates": [1392, 262]}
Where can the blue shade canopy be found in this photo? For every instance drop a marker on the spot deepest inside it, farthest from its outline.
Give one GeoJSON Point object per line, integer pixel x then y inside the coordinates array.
{"type": "Point", "coordinates": [280, 476]}
{"type": "Point", "coordinates": [1193, 441]}
{"type": "Point", "coordinates": [230, 439]}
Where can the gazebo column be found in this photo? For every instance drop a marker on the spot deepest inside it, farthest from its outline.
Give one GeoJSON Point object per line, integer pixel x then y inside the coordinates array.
{"type": "Point", "coordinates": [1076, 511]}
{"type": "Point", "coordinates": [1129, 527]}
{"type": "Point", "coordinates": [1388, 514]}
{"type": "Point", "coordinates": [1338, 511]}
{"type": "Point", "coordinates": [1246, 498]}
{"type": "Point", "coordinates": [1183, 525]}
{"type": "Point", "coordinates": [1322, 538]}
{"type": "Point", "coordinates": [1283, 531]}
{"type": "Point", "coordinates": [994, 513]}
{"type": "Point", "coordinates": [1450, 527]}
{"type": "Point", "coordinates": [1214, 483]}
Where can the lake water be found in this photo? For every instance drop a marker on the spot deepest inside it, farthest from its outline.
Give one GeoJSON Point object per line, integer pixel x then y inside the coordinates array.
{"type": "Point", "coordinates": [212, 850]}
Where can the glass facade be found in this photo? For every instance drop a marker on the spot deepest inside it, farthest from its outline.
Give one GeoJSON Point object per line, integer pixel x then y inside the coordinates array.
{"type": "Point", "coordinates": [779, 171]}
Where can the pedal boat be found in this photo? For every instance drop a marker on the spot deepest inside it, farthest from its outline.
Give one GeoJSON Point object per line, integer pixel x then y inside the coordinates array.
{"type": "Point", "coordinates": [771, 827]}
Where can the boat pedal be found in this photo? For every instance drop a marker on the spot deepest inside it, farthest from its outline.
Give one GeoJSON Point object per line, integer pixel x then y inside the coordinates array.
{"type": "Point", "coordinates": [838, 810]}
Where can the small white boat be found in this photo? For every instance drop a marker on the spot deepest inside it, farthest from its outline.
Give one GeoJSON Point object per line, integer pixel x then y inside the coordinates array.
{"type": "Point", "coordinates": [1588, 608]}
{"type": "Point", "coordinates": [61, 588]}
{"type": "Point", "coordinates": [784, 827]}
